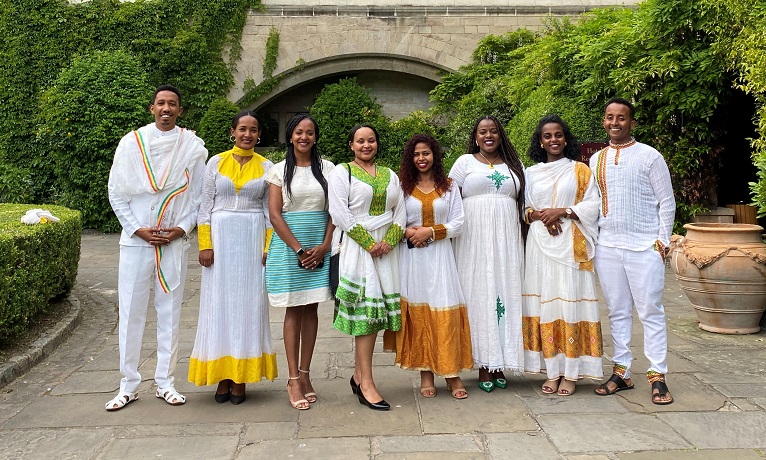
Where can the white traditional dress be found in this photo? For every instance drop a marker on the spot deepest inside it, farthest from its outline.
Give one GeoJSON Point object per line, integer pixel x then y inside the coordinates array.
{"type": "Point", "coordinates": [561, 322]}
{"type": "Point", "coordinates": [233, 336]}
{"type": "Point", "coordinates": [369, 209]}
{"type": "Point", "coordinates": [435, 334]}
{"type": "Point", "coordinates": [490, 262]}
{"type": "Point", "coordinates": [305, 212]}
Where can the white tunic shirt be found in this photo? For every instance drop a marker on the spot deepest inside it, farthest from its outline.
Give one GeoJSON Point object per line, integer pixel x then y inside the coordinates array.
{"type": "Point", "coordinates": [637, 203]}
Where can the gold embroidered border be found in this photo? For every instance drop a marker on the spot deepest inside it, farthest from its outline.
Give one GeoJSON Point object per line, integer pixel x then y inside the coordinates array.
{"type": "Point", "coordinates": [601, 179]}
{"type": "Point", "coordinates": [427, 205]}
{"type": "Point", "coordinates": [579, 245]}
{"type": "Point", "coordinates": [573, 340]}
{"type": "Point", "coordinates": [440, 232]}
{"type": "Point", "coordinates": [559, 298]}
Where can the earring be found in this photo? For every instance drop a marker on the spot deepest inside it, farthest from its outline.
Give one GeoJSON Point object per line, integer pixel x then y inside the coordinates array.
{"type": "Point", "coordinates": [477, 143]}
{"type": "Point", "coordinates": [541, 145]}
{"type": "Point", "coordinates": [231, 138]}
{"type": "Point", "coordinates": [258, 141]}
{"type": "Point", "coordinates": [565, 144]}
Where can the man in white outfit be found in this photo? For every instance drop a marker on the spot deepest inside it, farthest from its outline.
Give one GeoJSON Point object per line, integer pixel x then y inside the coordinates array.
{"type": "Point", "coordinates": [635, 223]}
{"type": "Point", "coordinates": [154, 188]}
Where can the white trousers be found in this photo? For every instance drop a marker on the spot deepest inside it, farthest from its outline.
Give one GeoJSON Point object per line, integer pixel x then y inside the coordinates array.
{"type": "Point", "coordinates": [137, 274]}
{"type": "Point", "coordinates": [634, 279]}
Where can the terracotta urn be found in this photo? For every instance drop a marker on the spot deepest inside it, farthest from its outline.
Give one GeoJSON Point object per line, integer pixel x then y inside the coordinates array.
{"type": "Point", "coordinates": [722, 270]}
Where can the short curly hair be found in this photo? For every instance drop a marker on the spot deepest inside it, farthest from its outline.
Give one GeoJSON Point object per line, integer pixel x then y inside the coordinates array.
{"type": "Point", "coordinates": [536, 152]}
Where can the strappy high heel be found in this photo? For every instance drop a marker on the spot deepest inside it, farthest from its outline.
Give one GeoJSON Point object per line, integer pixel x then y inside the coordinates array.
{"type": "Point", "coordinates": [311, 396]}
{"type": "Point", "coordinates": [299, 402]}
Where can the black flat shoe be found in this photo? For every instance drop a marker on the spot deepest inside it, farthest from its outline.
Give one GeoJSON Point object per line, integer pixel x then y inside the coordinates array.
{"type": "Point", "coordinates": [237, 399]}
{"type": "Point", "coordinates": [221, 398]}
{"type": "Point", "coordinates": [354, 386]}
{"type": "Point", "coordinates": [380, 405]}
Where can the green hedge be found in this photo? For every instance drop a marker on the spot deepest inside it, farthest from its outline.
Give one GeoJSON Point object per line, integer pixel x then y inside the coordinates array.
{"type": "Point", "coordinates": [38, 263]}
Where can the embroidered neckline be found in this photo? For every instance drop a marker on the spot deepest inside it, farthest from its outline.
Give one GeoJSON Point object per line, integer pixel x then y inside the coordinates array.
{"type": "Point", "coordinates": [378, 182]}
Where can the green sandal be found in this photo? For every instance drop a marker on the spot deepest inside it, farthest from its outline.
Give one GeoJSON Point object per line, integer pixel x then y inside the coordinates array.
{"type": "Point", "coordinates": [500, 382]}
{"type": "Point", "coordinates": [486, 386]}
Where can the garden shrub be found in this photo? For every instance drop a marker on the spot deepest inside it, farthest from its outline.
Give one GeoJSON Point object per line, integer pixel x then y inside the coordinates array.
{"type": "Point", "coordinates": [338, 108]}
{"type": "Point", "coordinates": [38, 263]}
{"type": "Point", "coordinates": [397, 133]}
{"type": "Point", "coordinates": [214, 128]}
{"type": "Point", "coordinates": [84, 116]}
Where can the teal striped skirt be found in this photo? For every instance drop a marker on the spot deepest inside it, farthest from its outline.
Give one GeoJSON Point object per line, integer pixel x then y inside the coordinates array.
{"type": "Point", "coordinates": [287, 283]}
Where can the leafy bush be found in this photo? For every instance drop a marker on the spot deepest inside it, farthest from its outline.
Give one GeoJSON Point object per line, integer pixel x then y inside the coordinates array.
{"type": "Point", "coordinates": [84, 116]}
{"type": "Point", "coordinates": [338, 108]}
{"type": "Point", "coordinates": [15, 184]}
{"type": "Point", "coordinates": [38, 263]}
{"type": "Point", "coordinates": [396, 135]}
{"type": "Point", "coordinates": [661, 55]}
{"type": "Point", "coordinates": [215, 124]}
{"type": "Point", "coordinates": [193, 44]}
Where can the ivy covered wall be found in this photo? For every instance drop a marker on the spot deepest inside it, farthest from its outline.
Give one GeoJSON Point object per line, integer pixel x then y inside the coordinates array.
{"type": "Point", "coordinates": [192, 44]}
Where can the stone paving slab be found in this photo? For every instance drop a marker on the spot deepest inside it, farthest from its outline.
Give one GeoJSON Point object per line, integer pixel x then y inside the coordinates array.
{"type": "Point", "coordinates": [207, 447]}
{"type": "Point", "coordinates": [720, 430]}
{"type": "Point", "coordinates": [499, 411]}
{"type": "Point", "coordinates": [734, 454]}
{"type": "Point", "coordinates": [585, 433]}
{"type": "Point", "coordinates": [532, 445]}
{"type": "Point", "coordinates": [432, 443]}
{"type": "Point", "coordinates": [54, 444]}
{"type": "Point", "coordinates": [689, 394]}
{"type": "Point", "coordinates": [87, 410]}
{"type": "Point", "coordinates": [168, 431]}
{"type": "Point", "coordinates": [257, 432]}
{"type": "Point", "coordinates": [433, 456]}
{"type": "Point", "coordinates": [741, 390]}
{"type": "Point", "coordinates": [588, 403]}
{"type": "Point", "coordinates": [309, 449]}
{"type": "Point", "coordinates": [339, 413]}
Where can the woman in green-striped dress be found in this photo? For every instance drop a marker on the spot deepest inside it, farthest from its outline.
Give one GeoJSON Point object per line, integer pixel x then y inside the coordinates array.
{"type": "Point", "coordinates": [297, 266]}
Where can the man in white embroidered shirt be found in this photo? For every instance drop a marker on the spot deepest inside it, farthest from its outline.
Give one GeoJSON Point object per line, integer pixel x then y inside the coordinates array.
{"type": "Point", "coordinates": [154, 188]}
{"type": "Point", "coordinates": [635, 223]}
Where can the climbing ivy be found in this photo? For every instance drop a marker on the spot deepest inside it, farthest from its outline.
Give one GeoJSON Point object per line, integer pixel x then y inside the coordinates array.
{"type": "Point", "coordinates": [181, 42]}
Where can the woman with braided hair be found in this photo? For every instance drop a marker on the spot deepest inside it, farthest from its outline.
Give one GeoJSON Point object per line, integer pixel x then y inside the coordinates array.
{"type": "Point", "coordinates": [490, 251]}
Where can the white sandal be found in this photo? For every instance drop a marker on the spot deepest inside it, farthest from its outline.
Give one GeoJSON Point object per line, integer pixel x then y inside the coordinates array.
{"type": "Point", "coordinates": [171, 396]}
{"type": "Point", "coordinates": [121, 400]}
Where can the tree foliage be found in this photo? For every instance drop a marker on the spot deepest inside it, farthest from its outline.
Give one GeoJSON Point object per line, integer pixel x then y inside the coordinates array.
{"type": "Point", "coordinates": [215, 126]}
{"type": "Point", "coordinates": [83, 114]}
{"type": "Point", "coordinates": [173, 41]}
{"type": "Point", "coordinates": [662, 56]}
{"type": "Point", "coordinates": [338, 108]}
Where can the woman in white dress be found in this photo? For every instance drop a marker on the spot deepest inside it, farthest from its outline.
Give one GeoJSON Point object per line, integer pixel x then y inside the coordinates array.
{"type": "Point", "coordinates": [367, 204]}
{"type": "Point", "coordinates": [435, 337]}
{"type": "Point", "coordinates": [297, 269]}
{"type": "Point", "coordinates": [490, 251]}
{"type": "Point", "coordinates": [562, 329]}
{"type": "Point", "coordinates": [233, 343]}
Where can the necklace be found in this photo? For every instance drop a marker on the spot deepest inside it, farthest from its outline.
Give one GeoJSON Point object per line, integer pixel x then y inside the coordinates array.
{"type": "Point", "coordinates": [365, 169]}
{"type": "Point", "coordinates": [491, 163]}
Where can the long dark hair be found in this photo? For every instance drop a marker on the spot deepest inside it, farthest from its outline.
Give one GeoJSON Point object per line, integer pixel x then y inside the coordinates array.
{"type": "Point", "coordinates": [316, 160]}
{"type": "Point", "coordinates": [508, 154]}
{"type": "Point", "coordinates": [408, 173]}
{"type": "Point", "coordinates": [538, 154]}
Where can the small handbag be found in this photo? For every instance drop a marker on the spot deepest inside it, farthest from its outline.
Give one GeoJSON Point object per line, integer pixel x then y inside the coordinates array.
{"type": "Point", "coordinates": [335, 258]}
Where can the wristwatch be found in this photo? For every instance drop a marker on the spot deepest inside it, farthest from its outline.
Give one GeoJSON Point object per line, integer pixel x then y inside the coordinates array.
{"type": "Point", "coordinates": [300, 251]}
{"type": "Point", "coordinates": [569, 212]}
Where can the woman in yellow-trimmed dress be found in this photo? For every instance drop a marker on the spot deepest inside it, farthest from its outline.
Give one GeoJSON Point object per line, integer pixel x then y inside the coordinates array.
{"type": "Point", "coordinates": [435, 337]}
{"type": "Point", "coordinates": [233, 344]}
